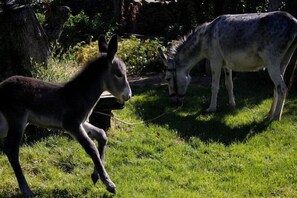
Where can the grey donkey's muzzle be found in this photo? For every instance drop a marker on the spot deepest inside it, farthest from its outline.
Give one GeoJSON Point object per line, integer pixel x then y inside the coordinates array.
{"type": "Point", "coordinates": [127, 94]}
{"type": "Point", "coordinates": [177, 99]}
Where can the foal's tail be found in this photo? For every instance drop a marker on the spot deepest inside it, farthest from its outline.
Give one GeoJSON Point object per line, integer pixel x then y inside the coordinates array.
{"type": "Point", "coordinates": [3, 126]}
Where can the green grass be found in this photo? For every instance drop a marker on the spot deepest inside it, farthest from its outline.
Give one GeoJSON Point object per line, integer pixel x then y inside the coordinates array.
{"type": "Point", "coordinates": [185, 153]}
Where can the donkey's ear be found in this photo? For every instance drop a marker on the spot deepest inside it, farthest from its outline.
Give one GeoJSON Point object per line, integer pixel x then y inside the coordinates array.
{"type": "Point", "coordinates": [162, 56]}
{"type": "Point", "coordinates": [102, 44]}
{"type": "Point", "coordinates": [112, 46]}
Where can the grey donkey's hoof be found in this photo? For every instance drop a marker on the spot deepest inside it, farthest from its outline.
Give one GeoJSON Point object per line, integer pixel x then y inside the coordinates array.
{"type": "Point", "coordinates": [211, 110]}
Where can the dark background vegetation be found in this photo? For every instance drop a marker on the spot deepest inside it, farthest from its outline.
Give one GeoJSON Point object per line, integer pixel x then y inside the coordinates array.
{"type": "Point", "coordinates": [155, 22]}
{"type": "Point", "coordinates": [163, 19]}
{"type": "Point", "coordinates": [166, 18]}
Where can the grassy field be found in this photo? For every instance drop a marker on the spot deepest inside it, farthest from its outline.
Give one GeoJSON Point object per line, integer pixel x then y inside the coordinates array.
{"type": "Point", "coordinates": [186, 153]}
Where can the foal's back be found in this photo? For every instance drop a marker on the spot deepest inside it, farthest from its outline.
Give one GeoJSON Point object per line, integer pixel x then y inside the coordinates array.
{"type": "Point", "coordinates": [25, 91]}
{"type": "Point", "coordinates": [31, 98]}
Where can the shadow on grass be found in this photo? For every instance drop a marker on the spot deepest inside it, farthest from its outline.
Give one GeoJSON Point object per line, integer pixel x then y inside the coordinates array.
{"type": "Point", "coordinates": [34, 134]}
{"type": "Point", "coordinates": [216, 130]}
{"type": "Point", "coordinates": [213, 129]}
{"type": "Point", "coordinates": [64, 193]}
{"type": "Point", "coordinates": [250, 90]}
{"type": "Point", "coordinates": [60, 193]}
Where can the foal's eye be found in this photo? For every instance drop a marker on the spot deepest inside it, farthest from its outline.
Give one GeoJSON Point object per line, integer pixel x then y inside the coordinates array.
{"type": "Point", "coordinates": [168, 79]}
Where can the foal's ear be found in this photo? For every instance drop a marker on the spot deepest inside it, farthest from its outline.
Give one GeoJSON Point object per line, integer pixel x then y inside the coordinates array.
{"type": "Point", "coordinates": [112, 46]}
{"type": "Point", "coordinates": [102, 44]}
{"type": "Point", "coordinates": [162, 56]}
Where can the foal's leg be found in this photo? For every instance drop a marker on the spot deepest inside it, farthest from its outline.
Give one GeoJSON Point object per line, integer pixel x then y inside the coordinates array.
{"type": "Point", "coordinates": [82, 137]}
{"type": "Point", "coordinates": [216, 66]}
{"type": "Point", "coordinates": [229, 86]}
{"type": "Point", "coordinates": [97, 134]}
{"type": "Point", "coordinates": [100, 136]}
{"type": "Point", "coordinates": [11, 147]}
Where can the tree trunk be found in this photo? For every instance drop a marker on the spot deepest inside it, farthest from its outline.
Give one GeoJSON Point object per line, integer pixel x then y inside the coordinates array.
{"type": "Point", "coordinates": [55, 18]}
{"type": "Point", "coordinates": [118, 9]}
{"type": "Point", "coordinates": [22, 38]}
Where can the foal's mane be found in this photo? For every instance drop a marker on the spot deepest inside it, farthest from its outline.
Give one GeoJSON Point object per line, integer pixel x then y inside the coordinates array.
{"type": "Point", "coordinates": [90, 68]}
{"type": "Point", "coordinates": [185, 41]}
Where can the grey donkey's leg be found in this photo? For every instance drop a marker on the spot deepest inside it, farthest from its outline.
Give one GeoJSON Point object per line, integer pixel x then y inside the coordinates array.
{"type": "Point", "coordinates": [279, 90]}
{"type": "Point", "coordinates": [99, 135]}
{"type": "Point", "coordinates": [273, 104]}
{"type": "Point", "coordinates": [11, 148]}
{"type": "Point", "coordinates": [89, 146]}
{"type": "Point", "coordinates": [216, 65]}
{"type": "Point", "coordinates": [229, 86]}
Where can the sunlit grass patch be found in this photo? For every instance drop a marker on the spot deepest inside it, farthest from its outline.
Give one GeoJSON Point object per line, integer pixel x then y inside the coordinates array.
{"type": "Point", "coordinates": [184, 153]}
{"type": "Point", "coordinates": [249, 114]}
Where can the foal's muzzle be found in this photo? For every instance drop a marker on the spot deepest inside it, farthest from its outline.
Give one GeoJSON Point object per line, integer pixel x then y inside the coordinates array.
{"type": "Point", "coordinates": [177, 99]}
{"type": "Point", "coordinates": [126, 95]}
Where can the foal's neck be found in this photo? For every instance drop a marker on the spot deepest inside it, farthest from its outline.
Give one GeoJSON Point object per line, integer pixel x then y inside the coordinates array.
{"type": "Point", "coordinates": [89, 83]}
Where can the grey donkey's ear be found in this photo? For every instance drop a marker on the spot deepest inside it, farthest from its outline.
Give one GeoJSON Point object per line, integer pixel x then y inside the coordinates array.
{"type": "Point", "coordinates": [112, 47]}
{"type": "Point", "coordinates": [162, 56]}
{"type": "Point", "coordinates": [102, 44]}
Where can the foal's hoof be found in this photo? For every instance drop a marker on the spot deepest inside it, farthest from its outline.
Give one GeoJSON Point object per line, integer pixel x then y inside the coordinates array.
{"type": "Point", "coordinates": [28, 193]}
{"type": "Point", "coordinates": [95, 177]}
{"type": "Point", "coordinates": [111, 188]}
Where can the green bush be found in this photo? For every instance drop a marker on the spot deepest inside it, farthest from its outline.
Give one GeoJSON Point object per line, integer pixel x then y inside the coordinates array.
{"type": "Point", "coordinates": [81, 27]}
{"type": "Point", "coordinates": [40, 18]}
{"type": "Point", "coordinates": [140, 56]}
{"type": "Point", "coordinates": [61, 67]}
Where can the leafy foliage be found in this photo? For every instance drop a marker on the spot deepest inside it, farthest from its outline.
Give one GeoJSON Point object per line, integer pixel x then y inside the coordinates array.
{"type": "Point", "coordinates": [139, 55]}
{"type": "Point", "coordinates": [81, 27]}
{"type": "Point", "coordinates": [40, 17]}
{"type": "Point", "coordinates": [60, 67]}
{"type": "Point", "coordinates": [87, 52]}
